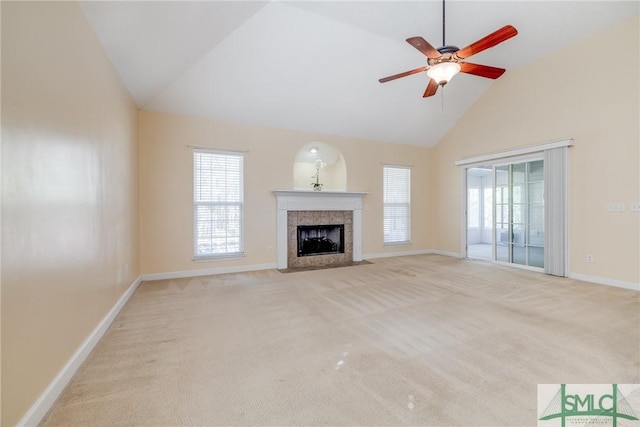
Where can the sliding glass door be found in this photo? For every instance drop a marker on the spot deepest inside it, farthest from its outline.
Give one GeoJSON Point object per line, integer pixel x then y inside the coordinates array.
{"type": "Point", "coordinates": [510, 203]}
{"type": "Point", "coordinates": [519, 192]}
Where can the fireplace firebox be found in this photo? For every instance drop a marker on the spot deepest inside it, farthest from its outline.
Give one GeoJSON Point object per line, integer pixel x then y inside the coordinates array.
{"type": "Point", "coordinates": [320, 239]}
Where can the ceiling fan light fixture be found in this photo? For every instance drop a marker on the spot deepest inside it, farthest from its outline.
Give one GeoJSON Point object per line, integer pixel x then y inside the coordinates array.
{"type": "Point", "coordinates": [443, 72]}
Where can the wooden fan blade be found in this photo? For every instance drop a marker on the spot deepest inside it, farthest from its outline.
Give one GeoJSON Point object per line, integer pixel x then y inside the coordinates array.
{"type": "Point", "coordinates": [432, 88]}
{"type": "Point", "coordinates": [406, 73]}
{"type": "Point", "coordinates": [423, 46]}
{"type": "Point", "coordinates": [484, 43]}
{"type": "Point", "coordinates": [481, 70]}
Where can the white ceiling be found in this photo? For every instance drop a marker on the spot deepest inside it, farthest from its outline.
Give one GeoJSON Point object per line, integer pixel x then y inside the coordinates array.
{"type": "Point", "coordinates": [315, 65]}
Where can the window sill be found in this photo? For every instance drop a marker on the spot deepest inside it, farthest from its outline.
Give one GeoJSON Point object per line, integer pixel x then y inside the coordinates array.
{"type": "Point", "coordinates": [407, 243]}
{"type": "Point", "coordinates": [220, 257]}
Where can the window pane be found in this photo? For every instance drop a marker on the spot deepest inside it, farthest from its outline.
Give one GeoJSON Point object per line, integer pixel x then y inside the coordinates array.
{"type": "Point", "coordinates": [488, 208]}
{"type": "Point", "coordinates": [395, 224]}
{"type": "Point", "coordinates": [536, 171]}
{"type": "Point", "coordinates": [536, 256]}
{"type": "Point", "coordinates": [397, 204]}
{"type": "Point", "coordinates": [517, 217]}
{"type": "Point", "coordinates": [502, 252]}
{"type": "Point", "coordinates": [396, 183]}
{"type": "Point", "coordinates": [217, 177]}
{"type": "Point", "coordinates": [504, 192]}
{"type": "Point", "coordinates": [518, 234]}
{"type": "Point", "coordinates": [502, 233]}
{"type": "Point", "coordinates": [519, 255]}
{"type": "Point", "coordinates": [536, 225]}
{"type": "Point", "coordinates": [518, 190]}
{"type": "Point", "coordinates": [536, 192]}
{"type": "Point", "coordinates": [519, 172]}
{"type": "Point", "coordinates": [473, 207]}
{"type": "Point", "coordinates": [502, 175]}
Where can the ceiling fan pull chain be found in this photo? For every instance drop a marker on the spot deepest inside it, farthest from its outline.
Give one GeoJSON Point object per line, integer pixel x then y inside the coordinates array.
{"type": "Point", "coordinates": [442, 97]}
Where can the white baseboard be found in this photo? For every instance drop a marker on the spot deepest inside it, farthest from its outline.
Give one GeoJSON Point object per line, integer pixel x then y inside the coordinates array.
{"type": "Point", "coordinates": [605, 281]}
{"type": "Point", "coordinates": [39, 409]}
{"type": "Point", "coordinates": [577, 276]}
{"type": "Point", "coordinates": [445, 253]}
{"type": "Point", "coordinates": [415, 252]}
{"type": "Point", "coordinates": [271, 266]}
{"type": "Point", "coordinates": [208, 271]}
{"type": "Point", "coordinates": [396, 254]}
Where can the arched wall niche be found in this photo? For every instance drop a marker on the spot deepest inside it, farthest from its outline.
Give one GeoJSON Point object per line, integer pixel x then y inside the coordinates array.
{"type": "Point", "coordinates": [333, 169]}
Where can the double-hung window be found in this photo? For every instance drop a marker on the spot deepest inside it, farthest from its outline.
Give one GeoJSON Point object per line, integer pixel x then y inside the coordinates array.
{"type": "Point", "coordinates": [218, 199]}
{"type": "Point", "coordinates": [397, 205]}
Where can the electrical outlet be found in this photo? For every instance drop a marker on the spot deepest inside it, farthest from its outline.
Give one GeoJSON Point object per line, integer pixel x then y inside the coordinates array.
{"type": "Point", "coordinates": [634, 207]}
{"type": "Point", "coordinates": [616, 207]}
{"type": "Point", "coordinates": [269, 249]}
{"type": "Point", "coordinates": [589, 258]}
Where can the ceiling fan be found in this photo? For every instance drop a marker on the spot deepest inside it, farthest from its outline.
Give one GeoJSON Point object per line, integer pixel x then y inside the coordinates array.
{"type": "Point", "coordinates": [446, 61]}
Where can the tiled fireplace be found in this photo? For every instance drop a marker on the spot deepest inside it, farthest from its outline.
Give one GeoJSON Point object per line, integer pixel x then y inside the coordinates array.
{"type": "Point", "coordinates": [318, 228]}
{"type": "Point", "coordinates": [319, 238]}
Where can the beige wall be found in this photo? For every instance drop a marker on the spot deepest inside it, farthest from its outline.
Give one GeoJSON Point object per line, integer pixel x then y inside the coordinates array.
{"type": "Point", "coordinates": [69, 193]}
{"type": "Point", "coordinates": [553, 98]}
{"type": "Point", "coordinates": [166, 174]}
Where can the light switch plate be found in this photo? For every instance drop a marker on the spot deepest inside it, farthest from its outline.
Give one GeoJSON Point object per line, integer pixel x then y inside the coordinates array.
{"type": "Point", "coordinates": [616, 207]}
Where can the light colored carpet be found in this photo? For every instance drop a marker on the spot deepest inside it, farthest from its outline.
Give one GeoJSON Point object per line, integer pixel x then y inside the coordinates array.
{"type": "Point", "coordinates": [421, 340]}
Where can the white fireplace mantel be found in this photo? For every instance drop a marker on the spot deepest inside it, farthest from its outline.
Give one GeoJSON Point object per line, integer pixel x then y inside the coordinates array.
{"type": "Point", "coordinates": [294, 200]}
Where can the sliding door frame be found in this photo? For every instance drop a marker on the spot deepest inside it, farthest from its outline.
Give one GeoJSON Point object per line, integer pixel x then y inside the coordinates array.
{"type": "Point", "coordinates": [535, 156]}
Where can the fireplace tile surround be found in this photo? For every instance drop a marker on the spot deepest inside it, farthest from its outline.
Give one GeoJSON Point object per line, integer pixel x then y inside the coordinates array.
{"type": "Point", "coordinates": [315, 208]}
{"type": "Point", "coordinates": [296, 218]}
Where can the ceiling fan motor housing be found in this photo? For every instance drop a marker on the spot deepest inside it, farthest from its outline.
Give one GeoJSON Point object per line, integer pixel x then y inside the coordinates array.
{"type": "Point", "coordinates": [448, 49]}
{"type": "Point", "coordinates": [447, 54]}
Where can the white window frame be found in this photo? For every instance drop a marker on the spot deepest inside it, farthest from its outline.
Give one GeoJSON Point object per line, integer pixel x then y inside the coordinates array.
{"type": "Point", "coordinates": [229, 250]}
{"type": "Point", "coordinates": [387, 241]}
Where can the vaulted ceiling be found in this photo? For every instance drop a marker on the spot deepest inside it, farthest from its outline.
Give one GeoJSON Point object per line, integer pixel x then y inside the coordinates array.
{"type": "Point", "coordinates": [315, 65]}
